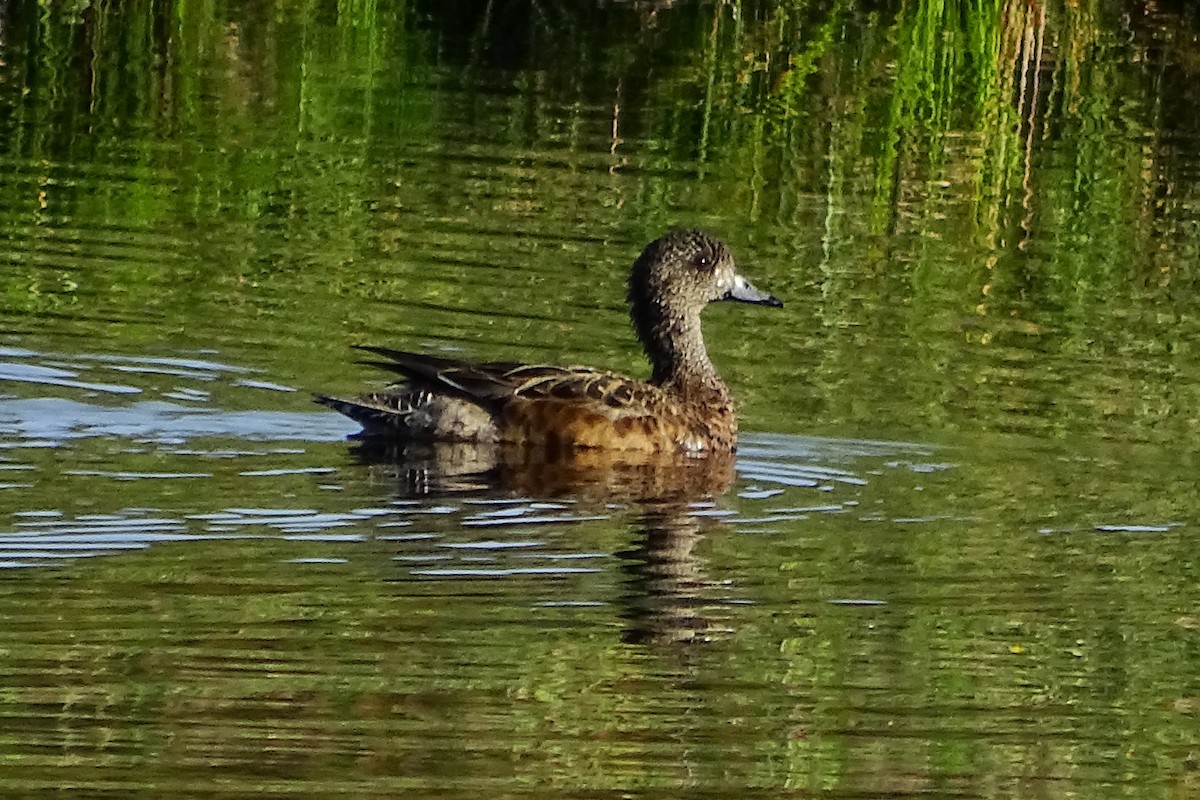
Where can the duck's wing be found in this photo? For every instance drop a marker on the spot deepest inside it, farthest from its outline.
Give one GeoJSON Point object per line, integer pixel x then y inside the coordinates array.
{"type": "Point", "coordinates": [497, 382]}
{"type": "Point", "coordinates": [607, 393]}
{"type": "Point", "coordinates": [475, 381]}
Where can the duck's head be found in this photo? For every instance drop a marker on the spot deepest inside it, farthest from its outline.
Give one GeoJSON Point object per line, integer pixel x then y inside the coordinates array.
{"type": "Point", "coordinates": [674, 278]}
{"type": "Point", "coordinates": [681, 272]}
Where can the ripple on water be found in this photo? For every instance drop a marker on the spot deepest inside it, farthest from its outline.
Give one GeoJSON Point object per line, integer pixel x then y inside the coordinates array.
{"type": "Point", "coordinates": [56, 420]}
{"type": "Point", "coordinates": [40, 538]}
{"type": "Point", "coordinates": [56, 376]}
{"type": "Point", "coordinates": [170, 414]}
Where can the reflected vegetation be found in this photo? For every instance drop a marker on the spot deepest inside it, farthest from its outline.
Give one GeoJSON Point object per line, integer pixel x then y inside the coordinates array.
{"type": "Point", "coordinates": [982, 215]}
{"type": "Point", "coordinates": [998, 196]}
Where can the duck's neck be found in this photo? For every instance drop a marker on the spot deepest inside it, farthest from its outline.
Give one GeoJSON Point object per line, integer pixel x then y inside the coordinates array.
{"type": "Point", "coordinates": [675, 346]}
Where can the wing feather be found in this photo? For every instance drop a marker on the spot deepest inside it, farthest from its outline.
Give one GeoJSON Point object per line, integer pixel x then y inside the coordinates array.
{"type": "Point", "coordinates": [494, 383]}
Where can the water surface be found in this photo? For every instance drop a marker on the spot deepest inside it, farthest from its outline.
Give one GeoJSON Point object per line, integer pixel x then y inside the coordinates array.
{"type": "Point", "coordinates": [954, 555]}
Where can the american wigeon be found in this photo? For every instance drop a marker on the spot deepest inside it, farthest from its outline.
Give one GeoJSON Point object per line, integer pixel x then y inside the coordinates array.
{"type": "Point", "coordinates": [685, 407]}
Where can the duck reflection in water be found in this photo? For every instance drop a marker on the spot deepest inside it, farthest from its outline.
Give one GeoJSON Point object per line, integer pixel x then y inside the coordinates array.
{"type": "Point", "coordinates": [668, 596]}
{"type": "Point", "coordinates": [545, 431]}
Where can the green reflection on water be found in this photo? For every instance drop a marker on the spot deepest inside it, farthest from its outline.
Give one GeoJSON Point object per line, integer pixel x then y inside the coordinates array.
{"type": "Point", "coordinates": [981, 208]}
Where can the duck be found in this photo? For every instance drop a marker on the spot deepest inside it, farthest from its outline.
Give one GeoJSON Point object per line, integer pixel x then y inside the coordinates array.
{"type": "Point", "coordinates": [683, 409]}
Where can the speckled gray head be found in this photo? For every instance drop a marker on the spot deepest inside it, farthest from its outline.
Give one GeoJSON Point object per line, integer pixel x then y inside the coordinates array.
{"type": "Point", "coordinates": [674, 278]}
{"type": "Point", "coordinates": [684, 270]}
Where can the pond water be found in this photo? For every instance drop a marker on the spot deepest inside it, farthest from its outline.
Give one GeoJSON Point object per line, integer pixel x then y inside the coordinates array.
{"type": "Point", "coordinates": [955, 555]}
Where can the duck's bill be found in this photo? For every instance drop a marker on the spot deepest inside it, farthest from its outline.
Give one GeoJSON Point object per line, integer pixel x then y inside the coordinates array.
{"type": "Point", "coordinates": [745, 292]}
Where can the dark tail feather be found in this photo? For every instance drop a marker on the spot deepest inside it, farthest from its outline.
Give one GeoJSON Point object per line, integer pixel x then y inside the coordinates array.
{"type": "Point", "coordinates": [373, 412]}
{"type": "Point", "coordinates": [413, 365]}
{"type": "Point", "coordinates": [478, 382]}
